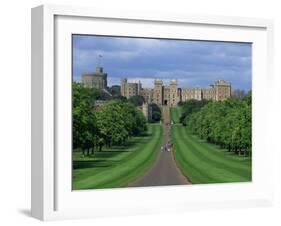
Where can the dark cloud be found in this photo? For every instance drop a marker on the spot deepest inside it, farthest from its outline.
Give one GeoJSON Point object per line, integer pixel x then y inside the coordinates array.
{"type": "Point", "coordinates": [193, 63]}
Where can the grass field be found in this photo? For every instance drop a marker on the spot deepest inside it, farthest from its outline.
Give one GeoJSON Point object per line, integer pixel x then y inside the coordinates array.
{"type": "Point", "coordinates": [117, 166]}
{"type": "Point", "coordinates": [202, 162]}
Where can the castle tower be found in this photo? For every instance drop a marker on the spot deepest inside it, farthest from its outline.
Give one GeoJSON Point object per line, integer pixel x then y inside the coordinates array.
{"type": "Point", "coordinates": [123, 87]}
{"type": "Point", "coordinates": [174, 94]}
{"type": "Point", "coordinates": [97, 79]}
{"type": "Point", "coordinates": [139, 87]}
{"type": "Point", "coordinates": [222, 90]}
{"type": "Point", "coordinates": [158, 92]}
{"type": "Point", "coordinates": [130, 89]}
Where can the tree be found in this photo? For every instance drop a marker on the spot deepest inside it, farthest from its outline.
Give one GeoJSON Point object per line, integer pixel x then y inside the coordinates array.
{"type": "Point", "coordinates": [189, 107]}
{"type": "Point", "coordinates": [137, 100]}
{"type": "Point", "coordinates": [155, 112]}
{"type": "Point", "coordinates": [84, 121]}
{"type": "Point", "coordinates": [117, 121]}
{"type": "Point", "coordinates": [225, 123]}
{"type": "Point", "coordinates": [135, 121]}
{"type": "Point", "coordinates": [112, 123]}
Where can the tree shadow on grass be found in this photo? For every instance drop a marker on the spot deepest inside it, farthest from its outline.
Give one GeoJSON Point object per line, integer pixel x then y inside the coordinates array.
{"type": "Point", "coordinates": [92, 164]}
{"type": "Point", "coordinates": [145, 135]}
{"type": "Point", "coordinates": [103, 158]}
{"type": "Point", "coordinates": [123, 147]}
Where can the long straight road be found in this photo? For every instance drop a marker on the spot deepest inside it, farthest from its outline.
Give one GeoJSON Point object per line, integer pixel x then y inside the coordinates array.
{"type": "Point", "coordinates": [164, 171]}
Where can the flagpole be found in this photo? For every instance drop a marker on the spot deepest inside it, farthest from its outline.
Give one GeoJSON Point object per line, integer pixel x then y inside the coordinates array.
{"type": "Point", "coordinates": [99, 60]}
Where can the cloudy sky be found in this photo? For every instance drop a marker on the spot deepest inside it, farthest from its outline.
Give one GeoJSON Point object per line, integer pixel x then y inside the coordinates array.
{"type": "Point", "coordinates": [192, 63]}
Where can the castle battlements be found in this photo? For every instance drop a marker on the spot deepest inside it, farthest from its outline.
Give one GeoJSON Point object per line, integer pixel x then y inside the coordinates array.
{"type": "Point", "coordinates": [171, 95]}
{"type": "Point", "coordinates": [160, 94]}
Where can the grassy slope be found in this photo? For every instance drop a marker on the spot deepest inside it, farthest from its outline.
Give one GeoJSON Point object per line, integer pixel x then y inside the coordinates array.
{"type": "Point", "coordinates": [202, 162]}
{"type": "Point", "coordinates": [118, 166]}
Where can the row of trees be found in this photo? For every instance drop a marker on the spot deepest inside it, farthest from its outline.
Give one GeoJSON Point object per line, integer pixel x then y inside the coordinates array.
{"type": "Point", "coordinates": [189, 107]}
{"type": "Point", "coordinates": [113, 123]}
{"type": "Point", "coordinates": [225, 123]}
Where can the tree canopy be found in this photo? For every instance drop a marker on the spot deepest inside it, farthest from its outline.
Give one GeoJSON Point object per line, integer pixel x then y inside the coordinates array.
{"type": "Point", "coordinates": [189, 107]}
{"type": "Point", "coordinates": [226, 123]}
{"type": "Point", "coordinates": [155, 112]}
{"type": "Point", "coordinates": [110, 124]}
{"type": "Point", "coordinates": [137, 100]}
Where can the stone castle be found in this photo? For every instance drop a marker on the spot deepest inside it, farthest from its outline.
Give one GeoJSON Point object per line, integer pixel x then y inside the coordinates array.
{"type": "Point", "coordinates": [97, 79]}
{"type": "Point", "coordinates": [169, 95]}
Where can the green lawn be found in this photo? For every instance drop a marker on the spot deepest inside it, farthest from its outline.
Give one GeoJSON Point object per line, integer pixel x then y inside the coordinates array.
{"type": "Point", "coordinates": [117, 166]}
{"type": "Point", "coordinates": [175, 114]}
{"type": "Point", "coordinates": [202, 162]}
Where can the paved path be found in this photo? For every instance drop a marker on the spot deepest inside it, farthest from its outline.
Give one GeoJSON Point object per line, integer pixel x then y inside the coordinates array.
{"type": "Point", "coordinates": [164, 171]}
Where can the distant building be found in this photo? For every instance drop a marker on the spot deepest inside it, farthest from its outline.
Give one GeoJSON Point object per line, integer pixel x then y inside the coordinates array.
{"type": "Point", "coordinates": [220, 90]}
{"type": "Point", "coordinates": [209, 93]}
{"type": "Point", "coordinates": [130, 89]}
{"type": "Point", "coordinates": [174, 94]}
{"type": "Point", "coordinates": [147, 94]}
{"type": "Point", "coordinates": [192, 93]}
{"type": "Point", "coordinates": [97, 79]}
{"type": "Point", "coordinates": [171, 95]}
{"type": "Point", "coordinates": [158, 92]}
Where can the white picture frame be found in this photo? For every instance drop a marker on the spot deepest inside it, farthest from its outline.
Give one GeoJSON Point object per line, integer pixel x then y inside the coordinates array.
{"type": "Point", "coordinates": [52, 197]}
